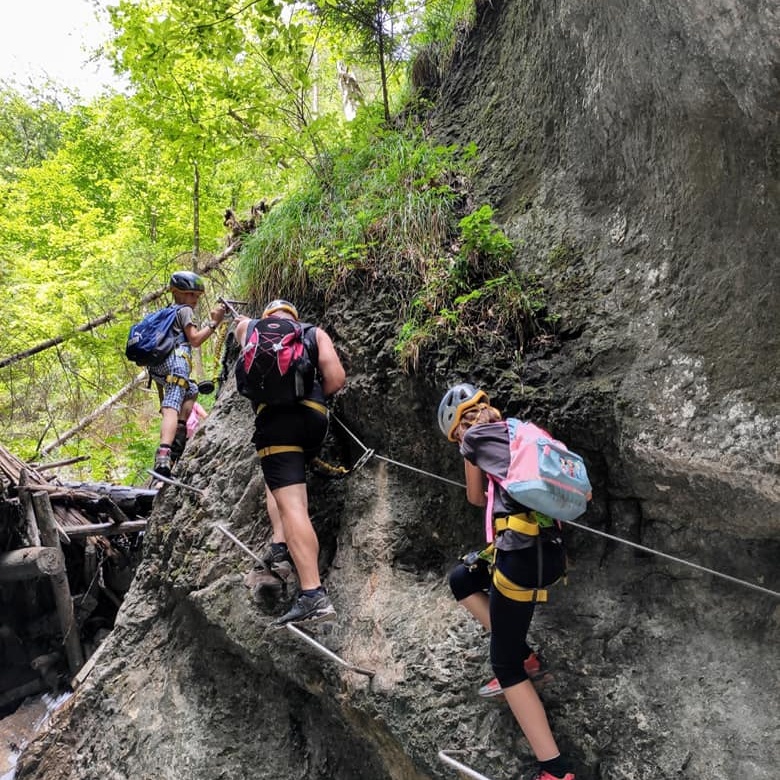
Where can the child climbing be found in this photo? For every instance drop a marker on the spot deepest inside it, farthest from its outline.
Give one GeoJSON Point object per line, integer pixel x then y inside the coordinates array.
{"type": "Point", "coordinates": [501, 593]}
{"type": "Point", "coordinates": [172, 375]}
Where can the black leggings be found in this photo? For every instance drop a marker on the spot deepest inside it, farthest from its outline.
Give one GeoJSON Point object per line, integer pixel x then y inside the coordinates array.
{"type": "Point", "coordinates": [509, 619]}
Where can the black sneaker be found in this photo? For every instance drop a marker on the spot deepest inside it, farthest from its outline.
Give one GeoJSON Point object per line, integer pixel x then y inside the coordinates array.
{"type": "Point", "coordinates": [162, 461]}
{"type": "Point", "coordinates": [278, 561]}
{"type": "Point", "coordinates": [308, 609]}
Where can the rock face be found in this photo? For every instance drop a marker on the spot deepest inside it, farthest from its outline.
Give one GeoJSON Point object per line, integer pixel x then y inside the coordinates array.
{"type": "Point", "coordinates": [631, 148]}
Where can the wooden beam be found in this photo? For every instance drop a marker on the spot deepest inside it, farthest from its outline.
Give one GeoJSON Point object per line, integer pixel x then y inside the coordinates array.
{"type": "Point", "coordinates": [30, 562]}
{"type": "Point", "coordinates": [106, 529]}
{"type": "Point", "coordinates": [30, 526]}
{"type": "Point", "coordinates": [59, 582]}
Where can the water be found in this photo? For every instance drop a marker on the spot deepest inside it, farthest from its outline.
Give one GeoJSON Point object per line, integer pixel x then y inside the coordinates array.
{"type": "Point", "coordinates": [18, 728]}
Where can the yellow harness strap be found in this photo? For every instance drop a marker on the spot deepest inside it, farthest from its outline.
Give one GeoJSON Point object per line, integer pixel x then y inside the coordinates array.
{"type": "Point", "coordinates": [177, 380]}
{"type": "Point", "coordinates": [265, 451]}
{"type": "Point", "coordinates": [321, 408]}
{"type": "Point", "coordinates": [521, 523]}
{"type": "Point", "coordinates": [506, 587]}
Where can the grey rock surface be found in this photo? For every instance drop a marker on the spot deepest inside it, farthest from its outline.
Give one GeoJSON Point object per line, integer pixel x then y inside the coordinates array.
{"type": "Point", "coordinates": [632, 149]}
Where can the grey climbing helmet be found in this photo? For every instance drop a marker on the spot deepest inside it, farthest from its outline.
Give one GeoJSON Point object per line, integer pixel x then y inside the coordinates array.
{"type": "Point", "coordinates": [456, 401]}
{"type": "Point", "coordinates": [187, 281]}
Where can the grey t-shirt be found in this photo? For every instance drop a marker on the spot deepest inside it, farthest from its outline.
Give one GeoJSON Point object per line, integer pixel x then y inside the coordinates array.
{"type": "Point", "coordinates": [184, 317]}
{"type": "Point", "coordinates": [487, 447]}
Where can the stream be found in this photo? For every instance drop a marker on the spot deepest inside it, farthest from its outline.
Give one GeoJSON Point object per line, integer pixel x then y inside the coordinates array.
{"type": "Point", "coordinates": [18, 728]}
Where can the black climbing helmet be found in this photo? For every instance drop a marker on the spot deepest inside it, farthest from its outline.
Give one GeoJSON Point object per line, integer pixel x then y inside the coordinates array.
{"type": "Point", "coordinates": [456, 401]}
{"type": "Point", "coordinates": [187, 281]}
{"type": "Point", "coordinates": [280, 305]}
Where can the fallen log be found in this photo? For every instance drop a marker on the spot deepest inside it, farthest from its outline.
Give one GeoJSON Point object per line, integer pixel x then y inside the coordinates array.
{"type": "Point", "coordinates": [28, 563]}
{"type": "Point", "coordinates": [131, 500]}
{"type": "Point", "coordinates": [85, 499]}
{"type": "Point", "coordinates": [31, 688]}
{"type": "Point", "coordinates": [59, 583]}
{"type": "Point", "coordinates": [107, 529]}
{"type": "Point", "coordinates": [59, 463]}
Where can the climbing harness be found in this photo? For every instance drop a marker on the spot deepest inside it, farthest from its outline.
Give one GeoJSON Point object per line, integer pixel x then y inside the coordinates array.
{"type": "Point", "coordinates": [445, 758]}
{"type": "Point", "coordinates": [681, 561]}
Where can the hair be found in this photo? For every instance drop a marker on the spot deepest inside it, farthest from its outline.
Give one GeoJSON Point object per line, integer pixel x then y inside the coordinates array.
{"type": "Point", "coordinates": [479, 414]}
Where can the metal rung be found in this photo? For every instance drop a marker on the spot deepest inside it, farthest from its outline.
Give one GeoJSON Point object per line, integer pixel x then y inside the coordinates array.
{"type": "Point", "coordinates": [324, 650]}
{"type": "Point", "coordinates": [465, 770]}
{"type": "Point", "coordinates": [176, 482]}
{"type": "Point", "coordinates": [240, 544]}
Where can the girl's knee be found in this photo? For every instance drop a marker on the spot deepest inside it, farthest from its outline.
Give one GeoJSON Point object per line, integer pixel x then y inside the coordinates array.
{"type": "Point", "coordinates": [464, 582]}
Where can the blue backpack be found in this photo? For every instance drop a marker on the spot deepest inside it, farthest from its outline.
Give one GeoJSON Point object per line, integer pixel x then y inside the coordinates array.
{"type": "Point", "coordinates": [152, 339]}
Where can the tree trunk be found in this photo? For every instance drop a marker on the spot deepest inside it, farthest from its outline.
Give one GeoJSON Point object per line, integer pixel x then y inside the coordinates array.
{"type": "Point", "coordinates": [85, 421]}
{"type": "Point", "coordinates": [195, 216]}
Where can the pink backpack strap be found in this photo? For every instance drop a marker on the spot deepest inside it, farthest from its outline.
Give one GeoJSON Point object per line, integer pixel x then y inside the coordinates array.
{"type": "Point", "coordinates": [489, 510]}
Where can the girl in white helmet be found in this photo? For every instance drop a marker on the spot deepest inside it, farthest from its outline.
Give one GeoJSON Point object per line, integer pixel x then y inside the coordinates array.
{"type": "Point", "coordinates": [502, 595]}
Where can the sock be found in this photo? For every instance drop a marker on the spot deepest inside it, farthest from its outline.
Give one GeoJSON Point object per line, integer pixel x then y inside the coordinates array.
{"type": "Point", "coordinates": [278, 548]}
{"type": "Point", "coordinates": [557, 767]}
{"type": "Point", "coordinates": [164, 448]}
{"type": "Point", "coordinates": [320, 591]}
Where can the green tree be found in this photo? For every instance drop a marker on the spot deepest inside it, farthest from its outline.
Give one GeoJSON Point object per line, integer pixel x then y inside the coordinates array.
{"type": "Point", "coordinates": [30, 127]}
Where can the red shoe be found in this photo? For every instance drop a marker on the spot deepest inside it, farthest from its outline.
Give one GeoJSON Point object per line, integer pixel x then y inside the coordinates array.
{"type": "Point", "coordinates": [535, 669]}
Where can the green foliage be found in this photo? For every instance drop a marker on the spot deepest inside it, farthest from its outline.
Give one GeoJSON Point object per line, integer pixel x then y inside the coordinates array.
{"type": "Point", "coordinates": [30, 128]}
{"type": "Point", "coordinates": [228, 104]}
{"type": "Point", "coordinates": [482, 239]}
{"type": "Point", "coordinates": [390, 209]}
{"type": "Point", "coordinates": [387, 207]}
{"type": "Point", "coordinates": [472, 296]}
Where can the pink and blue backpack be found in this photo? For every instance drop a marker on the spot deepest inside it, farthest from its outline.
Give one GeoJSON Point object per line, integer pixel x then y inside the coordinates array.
{"type": "Point", "coordinates": [543, 473]}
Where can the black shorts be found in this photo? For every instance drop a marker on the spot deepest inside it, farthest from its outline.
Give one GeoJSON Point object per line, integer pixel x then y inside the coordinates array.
{"type": "Point", "coordinates": [286, 439]}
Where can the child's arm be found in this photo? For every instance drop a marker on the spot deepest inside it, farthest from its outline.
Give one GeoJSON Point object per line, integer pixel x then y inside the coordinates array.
{"type": "Point", "coordinates": [475, 484]}
{"type": "Point", "coordinates": [197, 336]}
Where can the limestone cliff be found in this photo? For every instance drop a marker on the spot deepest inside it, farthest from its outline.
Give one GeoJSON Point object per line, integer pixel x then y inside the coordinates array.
{"type": "Point", "coordinates": [632, 149]}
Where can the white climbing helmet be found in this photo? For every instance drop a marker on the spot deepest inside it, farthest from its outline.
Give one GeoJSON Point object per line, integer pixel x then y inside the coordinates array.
{"type": "Point", "coordinates": [456, 401]}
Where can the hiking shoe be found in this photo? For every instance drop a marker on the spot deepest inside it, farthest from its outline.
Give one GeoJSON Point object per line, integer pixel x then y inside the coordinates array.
{"type": "Point", "coordinates": [279, 562]}
{"type": "Point", "coordinates": [535, 669]}
{"type": "Point", "coordinates": [259, 578]}
{"type": "Point", "coordinates": [545, 775]}
{"type": "Point", "coordinates": [308, 609]}
{"type": "Point", "coordinates": [162, 461]}
{"type": "Point", "coordinates": [491, 689]}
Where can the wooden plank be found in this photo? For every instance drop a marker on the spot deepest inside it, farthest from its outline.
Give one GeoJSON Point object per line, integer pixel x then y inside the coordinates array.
{"type": "Point", "coordinates": [106, 529]}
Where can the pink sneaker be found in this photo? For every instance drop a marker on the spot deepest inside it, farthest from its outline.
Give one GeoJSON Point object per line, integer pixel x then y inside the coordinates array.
{"type": "Point", "coordinates": [545, 775]}
{"type": "Point", "coordinates": [535, 669]}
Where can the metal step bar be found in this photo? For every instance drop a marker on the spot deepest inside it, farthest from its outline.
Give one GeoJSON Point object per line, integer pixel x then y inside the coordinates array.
{"type": "Point", "coordinates": [327, 653]}
{"type": "Point", "coordinates": [462, 768]}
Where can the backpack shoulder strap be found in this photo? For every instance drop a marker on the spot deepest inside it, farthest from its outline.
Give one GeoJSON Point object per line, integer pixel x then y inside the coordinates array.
{"type": "Point", "coordinates": [310, 341]}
